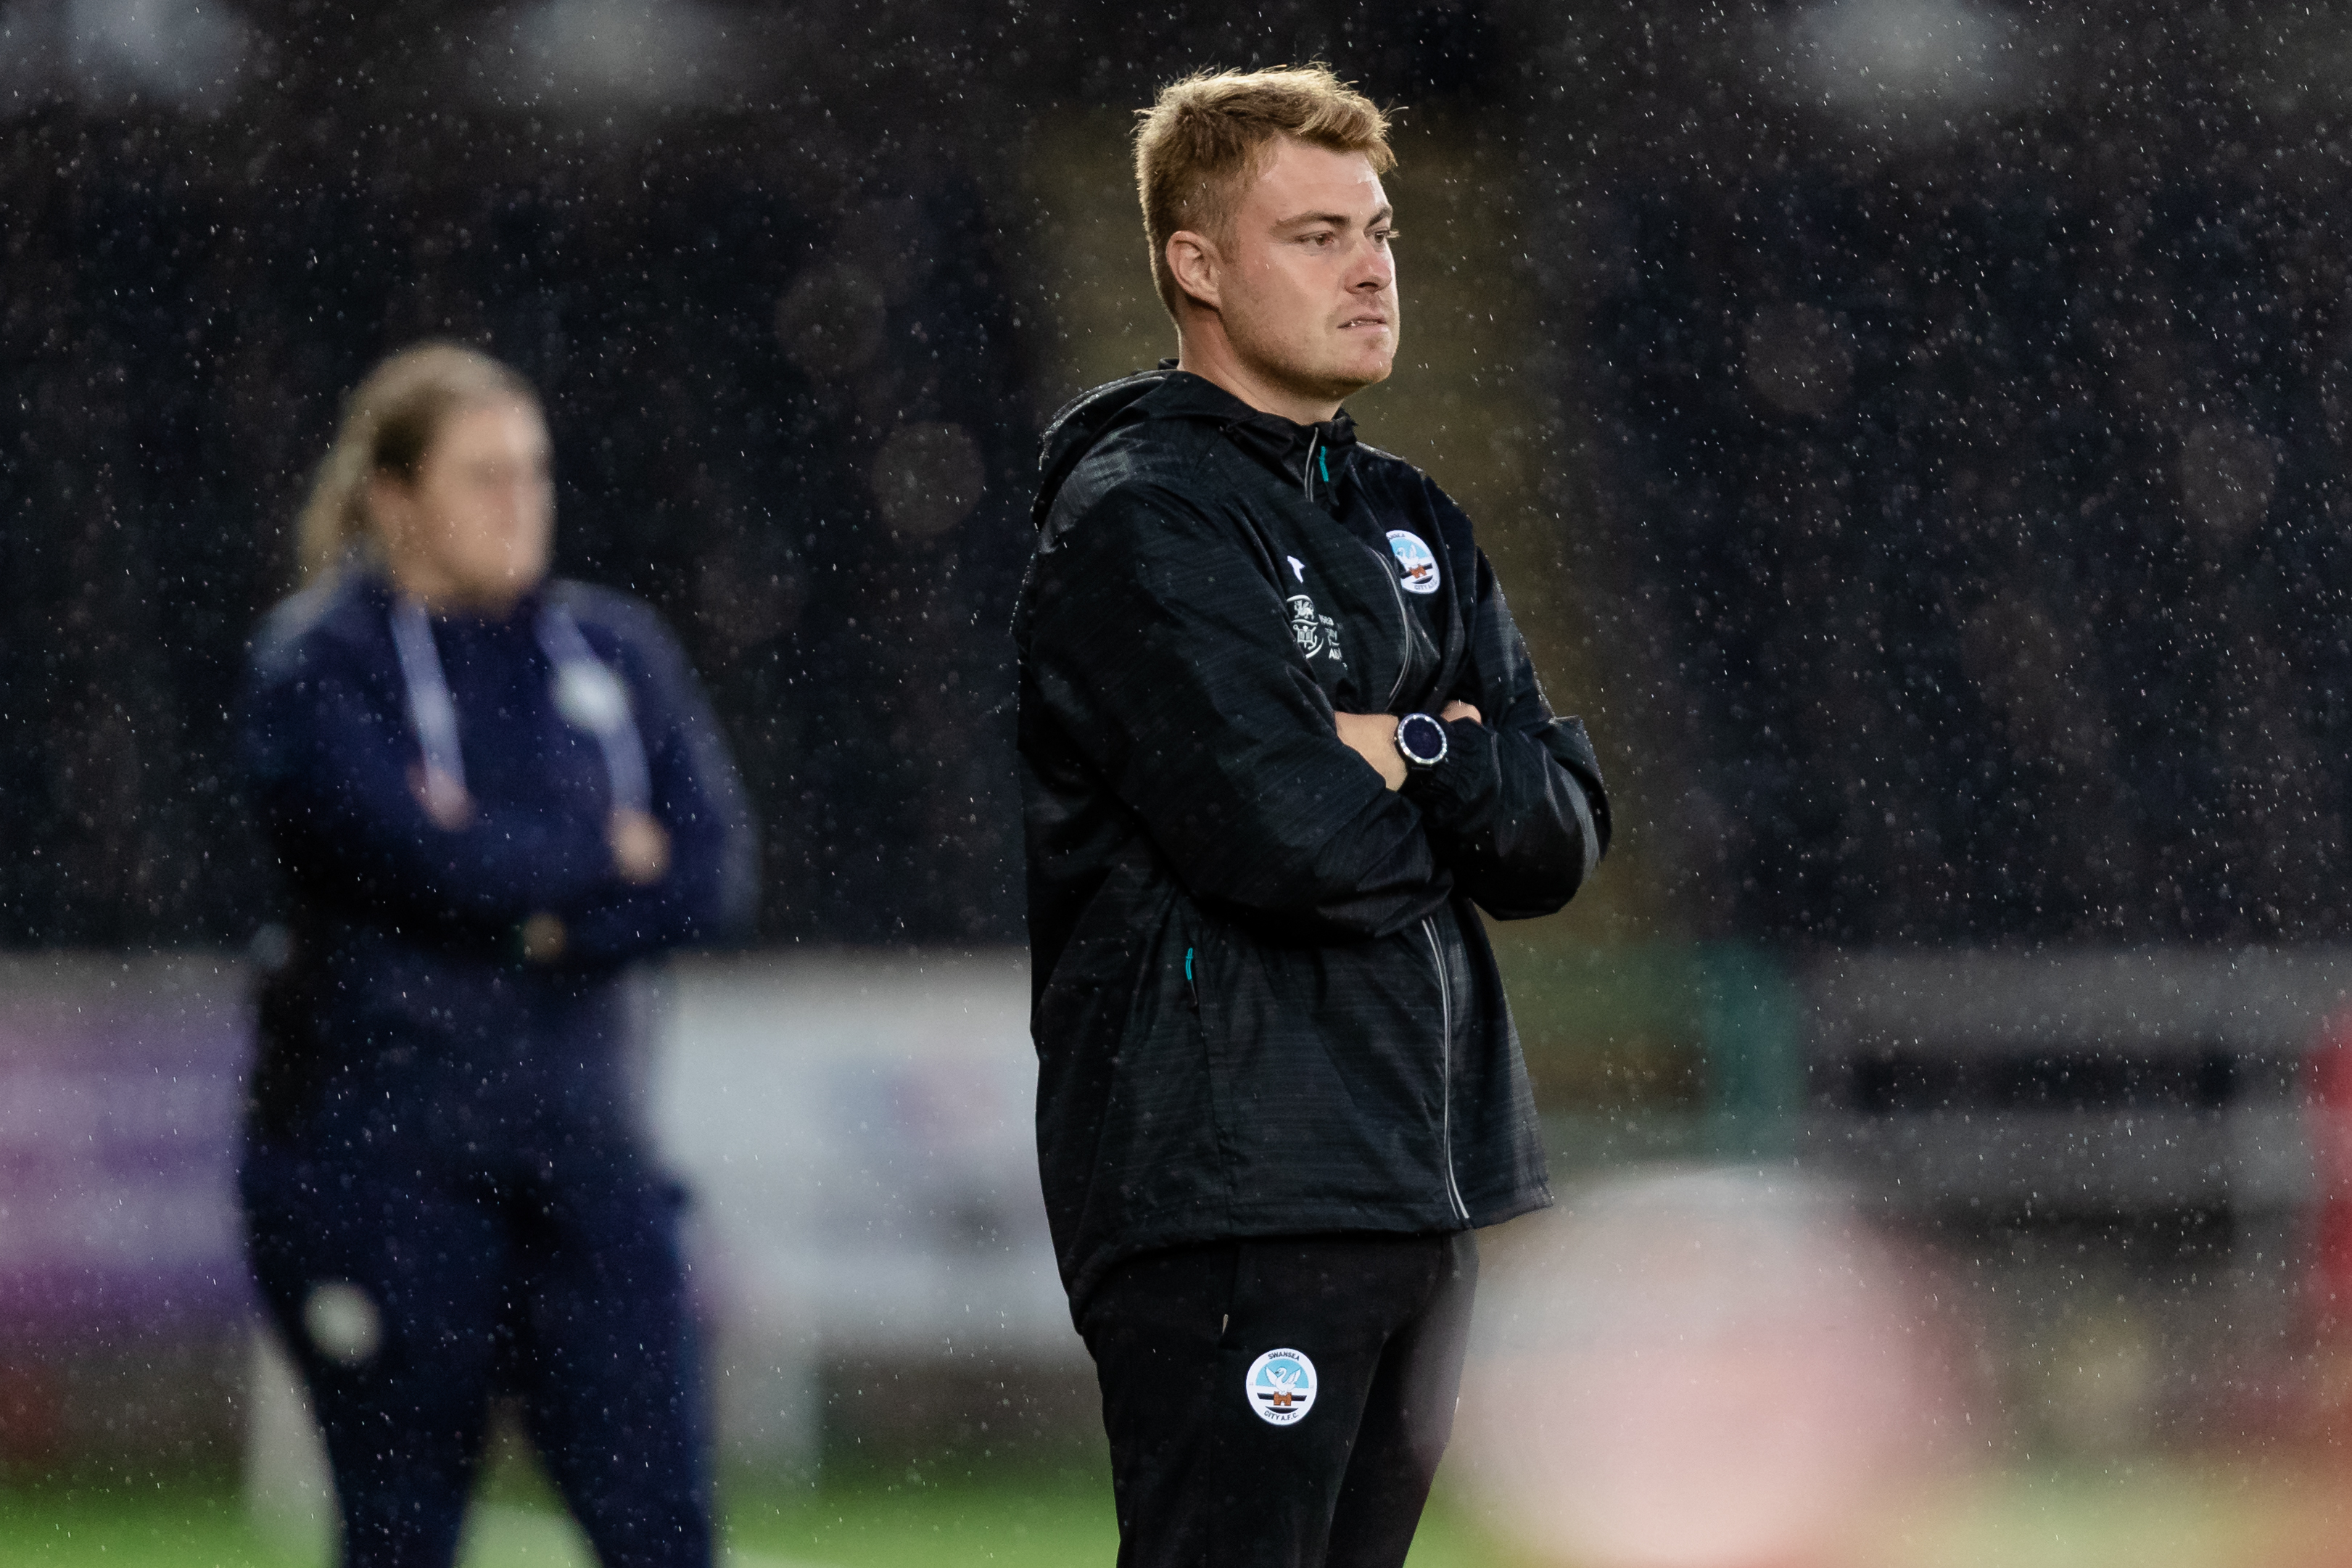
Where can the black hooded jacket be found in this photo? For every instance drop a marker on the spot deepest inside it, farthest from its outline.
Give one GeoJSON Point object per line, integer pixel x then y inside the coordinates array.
{"type": "Point", "coordinates": [1263, 1004]}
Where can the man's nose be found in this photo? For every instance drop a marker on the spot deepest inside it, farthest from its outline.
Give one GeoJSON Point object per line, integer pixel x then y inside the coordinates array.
{"type": "Point", "coordinates": [1373, 270]}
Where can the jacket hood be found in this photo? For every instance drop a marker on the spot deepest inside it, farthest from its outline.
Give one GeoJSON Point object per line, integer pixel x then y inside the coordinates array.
{"type": "Point", "coordinates": [1167, 393]}
{"type": "Point", "coordinates": [1079, 423]}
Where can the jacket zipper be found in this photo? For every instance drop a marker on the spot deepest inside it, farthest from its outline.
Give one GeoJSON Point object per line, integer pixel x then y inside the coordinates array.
{"type": "Point", "coordinates": [1444, 1063]}
{"type": "Point", "coordinates": [1388, 569]}
{"type": "Point", "coordinates": [1404, 624]}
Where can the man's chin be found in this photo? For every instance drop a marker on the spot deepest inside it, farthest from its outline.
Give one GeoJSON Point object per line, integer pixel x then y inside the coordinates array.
{"type": "Point", "coordinates": [1363, 373]}
{"type": "Point", "coordinates": [1332, 383]}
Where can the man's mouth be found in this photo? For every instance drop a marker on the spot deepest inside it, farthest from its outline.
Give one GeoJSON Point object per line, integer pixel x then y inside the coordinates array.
{"type": "Point", "coordinates": [1370, 320]}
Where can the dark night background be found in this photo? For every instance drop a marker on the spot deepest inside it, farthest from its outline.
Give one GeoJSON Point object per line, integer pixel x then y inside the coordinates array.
{"type": "Point", "coordinates": [1953, 481]}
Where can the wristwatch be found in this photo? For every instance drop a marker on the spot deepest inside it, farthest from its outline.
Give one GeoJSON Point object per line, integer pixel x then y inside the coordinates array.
{"type": "Point", "coordinates": [1420, 740]}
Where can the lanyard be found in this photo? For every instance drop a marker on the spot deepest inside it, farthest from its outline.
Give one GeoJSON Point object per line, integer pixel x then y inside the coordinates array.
{"type": "Point", "coordinates": [590, 695]}
{"type": "Point", "coordinates": [587, 693]}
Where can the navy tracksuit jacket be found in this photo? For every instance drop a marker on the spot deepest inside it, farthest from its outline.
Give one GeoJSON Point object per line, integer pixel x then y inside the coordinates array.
{"type": "Point", "coordinates": [446, 1185]}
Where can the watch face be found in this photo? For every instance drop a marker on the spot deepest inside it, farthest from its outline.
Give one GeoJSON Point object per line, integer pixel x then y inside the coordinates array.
{"type": "Point", "coordinates": [1421, 739]}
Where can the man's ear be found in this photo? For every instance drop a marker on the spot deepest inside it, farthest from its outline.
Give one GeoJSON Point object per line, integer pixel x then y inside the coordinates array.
{"type": "Point", "coordinates": [1192, 261]}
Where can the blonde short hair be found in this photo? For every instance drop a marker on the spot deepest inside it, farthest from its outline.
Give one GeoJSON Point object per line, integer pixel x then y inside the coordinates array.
{"type": "Point", "coordinates": [1208, 136]}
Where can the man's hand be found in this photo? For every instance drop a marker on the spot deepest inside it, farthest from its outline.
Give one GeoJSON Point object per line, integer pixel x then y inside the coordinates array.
{"type": "Point", "coordinates": [1372, 736]}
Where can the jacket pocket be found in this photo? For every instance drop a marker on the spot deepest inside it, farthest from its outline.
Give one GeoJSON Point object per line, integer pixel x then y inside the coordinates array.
{"type": "Point", "coordinates": [1328, 1066]}
{"type": "Point", "coordinates": [1126, 1123]}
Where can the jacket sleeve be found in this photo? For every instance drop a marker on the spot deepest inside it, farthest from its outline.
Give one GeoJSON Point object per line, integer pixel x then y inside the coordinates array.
{"type": "Point", "coordinates": [329, 770]}
{"type": "Point", "coordinates": [1516, 808]}
{"type": "Point", "coordinates": [709, 892]}
{"type": "Point", "coordinates": [1157, 642]}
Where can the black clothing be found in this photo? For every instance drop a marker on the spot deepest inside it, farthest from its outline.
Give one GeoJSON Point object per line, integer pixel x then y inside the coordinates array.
{"type": "Point", "coordinates": [1200, 1478]}
{"type": "Point", "coordinates": [443, 1131]}
{"type": "Point", "coordinates": [1263, 1004]}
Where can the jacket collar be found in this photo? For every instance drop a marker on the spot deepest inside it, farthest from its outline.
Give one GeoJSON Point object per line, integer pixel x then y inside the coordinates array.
{"type": "Point", "coordinates": [374, 589]}
{"type": "Point", "coordinates": [1314, 457]}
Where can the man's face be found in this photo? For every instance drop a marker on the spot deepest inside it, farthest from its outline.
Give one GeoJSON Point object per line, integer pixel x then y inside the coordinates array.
{"type": "Point", "coordinates": [1307, 288]}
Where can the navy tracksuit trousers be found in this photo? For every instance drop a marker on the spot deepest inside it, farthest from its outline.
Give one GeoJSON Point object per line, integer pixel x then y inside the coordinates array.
{"type": "Point", "coordinates": [439, 1291]}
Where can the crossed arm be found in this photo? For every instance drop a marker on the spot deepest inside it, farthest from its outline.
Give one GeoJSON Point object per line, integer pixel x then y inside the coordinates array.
{"type": "Point", "coordinates": [1372, 736]}
{"type": "Point", "coordinates": [1158, 656]}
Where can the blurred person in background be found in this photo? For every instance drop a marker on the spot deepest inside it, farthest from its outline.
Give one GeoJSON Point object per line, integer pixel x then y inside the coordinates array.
{"type": "Point", "coordinates": [1280, 742]}
{"type": "Point", "coordinates": [490, 793]}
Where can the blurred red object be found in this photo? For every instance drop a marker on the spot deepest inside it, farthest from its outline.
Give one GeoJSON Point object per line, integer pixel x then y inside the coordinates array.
{"type": "Point", "coordinates": [2327, 1083]}
{"type": "Point", "coordinates": [32, 1415]}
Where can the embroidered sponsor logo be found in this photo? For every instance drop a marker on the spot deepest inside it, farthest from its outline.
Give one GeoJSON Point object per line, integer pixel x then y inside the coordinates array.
{"type": "Point", "coordinates": [1281, 1386]}
{"type": "Point", "coordinates": [1416, 562]}
{"type": "Point", "coordinates": [1314, 632]}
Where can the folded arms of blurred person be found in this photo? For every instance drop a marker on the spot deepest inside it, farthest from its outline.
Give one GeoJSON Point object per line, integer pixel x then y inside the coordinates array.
{"type": "Point", "coordinates": [332, 764]}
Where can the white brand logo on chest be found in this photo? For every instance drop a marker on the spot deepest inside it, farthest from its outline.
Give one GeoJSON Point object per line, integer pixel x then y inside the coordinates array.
{"type": "Point", "coordinates": [1314, 632]}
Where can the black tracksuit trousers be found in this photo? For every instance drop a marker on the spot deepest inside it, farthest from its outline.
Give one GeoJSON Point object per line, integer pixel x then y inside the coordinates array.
{"type": "Point", "coordinates": [1210, 1463]}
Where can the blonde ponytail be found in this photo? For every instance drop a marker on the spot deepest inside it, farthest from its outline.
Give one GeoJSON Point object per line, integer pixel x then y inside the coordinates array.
{"type": "Point", "coordinates": [389, 422]}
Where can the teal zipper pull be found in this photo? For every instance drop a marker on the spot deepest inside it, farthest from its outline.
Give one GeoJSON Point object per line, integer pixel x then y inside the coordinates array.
{"type": "Point", "coordinates": [1323, 456]}
{"type": "Point", "coordinates": [1191, 987]}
